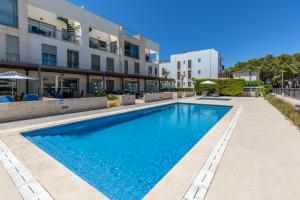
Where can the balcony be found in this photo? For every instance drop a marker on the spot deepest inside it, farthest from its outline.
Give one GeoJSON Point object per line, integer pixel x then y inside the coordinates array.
{"type": "Point", "coordinates": [103, 46]}
{"type": "Point", "coordinates": [50, 31]}
{"type": "Point", "coordinates": [13, 57]}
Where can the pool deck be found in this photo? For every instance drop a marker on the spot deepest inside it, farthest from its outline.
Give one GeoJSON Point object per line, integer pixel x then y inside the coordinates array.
{"type": "Point", "coordinates": [262, 159]}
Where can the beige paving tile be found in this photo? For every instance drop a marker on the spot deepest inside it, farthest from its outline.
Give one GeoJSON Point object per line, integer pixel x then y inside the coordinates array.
{"type": "Point", "coordinates": [8, 189]}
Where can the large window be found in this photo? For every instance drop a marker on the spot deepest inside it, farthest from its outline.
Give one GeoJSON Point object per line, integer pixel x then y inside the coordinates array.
{"type": "Point", "coordinates": [150, 71]}
{"type": "Point", "coordinates": [73, 59]}
{"type": "Point", "coordinates": [136, 68]}
{"type": "Point", "coordinates": [131, 50]}
{"type": "Point", "coordinates": [110, 64]}
{"type": "Point", "coordinates": [49, 54]}
{"type": "Point", "coordinates": [126, 67]}
{"type": "Point", "coordinates": [178, 65]}
{"type": "Point", "coordinates": [41, 28]}
{"type": "Point", "coordinates": [12, 48]}
{"type": "Point", "coordinates": [189, 64]}
{"type": "Point", "coordinates": [189, 75]}
{"type": "Point", "coordinates": [95, 60]}
{"type": "Point", "coordinates": [9, 13]}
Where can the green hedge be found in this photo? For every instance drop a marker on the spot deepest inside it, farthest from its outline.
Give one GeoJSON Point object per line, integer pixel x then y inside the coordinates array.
{"type": "Point", "coordinates": [254, 83]}
{"type": "Point", "coordinates": [226, 87]}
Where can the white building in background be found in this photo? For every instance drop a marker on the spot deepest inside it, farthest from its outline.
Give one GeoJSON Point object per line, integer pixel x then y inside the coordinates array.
{"type": "Point", "coordinates": [196, 64]}
{"type": "Point", "coordinates": [78, 51]}
{"type": "Point", "coordinates": [254, 76]}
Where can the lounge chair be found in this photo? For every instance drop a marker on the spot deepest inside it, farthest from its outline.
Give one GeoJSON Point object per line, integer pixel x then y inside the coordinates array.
{"type": "Point", "coordinates": [31, 97]}
{"type": "Point", "coordinates": [6, 99]}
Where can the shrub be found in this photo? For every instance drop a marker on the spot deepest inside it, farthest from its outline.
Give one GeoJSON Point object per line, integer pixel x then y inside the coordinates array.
{"type": "Point", "coordinates": [226, 87]}
{"type": "Point", "coordinates": [184, 89]}
{"type": "Point", "coordinates": [285, 108]}
{"type": "Point", "coordinates": [101, 94]}
{"type": "Point", "coordinates": [254, 83]}
{"type": "Point", "coordinates": [266, 89]}
{"type": "Point", "coordinates": [111, 97]}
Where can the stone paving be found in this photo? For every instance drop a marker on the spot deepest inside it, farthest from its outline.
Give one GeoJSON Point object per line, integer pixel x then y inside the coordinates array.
{"type": "Point", "coordinates": [261, 161]}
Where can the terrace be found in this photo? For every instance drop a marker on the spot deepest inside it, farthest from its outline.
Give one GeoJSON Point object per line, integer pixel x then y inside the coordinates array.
{"type": "Point", "coordinates": [48, 24]}
{"type": "Point", "coordinates": [251, 143]}
{"type": "Point", "coordinates": [103, 41]}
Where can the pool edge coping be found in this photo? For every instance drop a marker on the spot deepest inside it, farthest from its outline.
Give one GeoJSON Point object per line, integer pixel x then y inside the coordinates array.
{"type": "Point", "coordinates": [108, 113]}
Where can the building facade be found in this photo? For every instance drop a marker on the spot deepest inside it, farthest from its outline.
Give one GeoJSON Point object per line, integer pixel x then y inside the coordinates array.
{"type": "Point", "coordinates": [74, 51]}
{"type": "Point", "coordinates": [197, 64]}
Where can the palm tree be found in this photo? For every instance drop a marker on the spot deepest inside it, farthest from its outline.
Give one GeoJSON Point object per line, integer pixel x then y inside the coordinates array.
{"type": "Point", "coordinates": [165, 74]}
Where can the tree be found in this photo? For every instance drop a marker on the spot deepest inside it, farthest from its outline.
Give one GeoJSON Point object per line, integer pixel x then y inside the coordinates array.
{"type": "Point", "coordinates": [165, 74]}
{"type": "Point", "coordinates": [270, 68]}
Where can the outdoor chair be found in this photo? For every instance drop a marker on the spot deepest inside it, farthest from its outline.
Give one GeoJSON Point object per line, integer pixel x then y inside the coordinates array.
{"type": "Point", "coordinates": [6, 99]}
{"type": "Point", "coordinates": [31, 97]}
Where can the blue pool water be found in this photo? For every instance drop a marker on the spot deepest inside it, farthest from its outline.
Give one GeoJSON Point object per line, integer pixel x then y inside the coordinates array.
{"type": "Point", "coordinates": [215, 98]}
{"type": "Point", "coordinates": [125, 155]}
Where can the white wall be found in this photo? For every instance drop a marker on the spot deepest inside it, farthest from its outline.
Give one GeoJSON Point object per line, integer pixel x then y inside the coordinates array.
{"type": "Point", "coordinates": [207, 67]}
{"type": "Point", "coordinates": [30, 44]}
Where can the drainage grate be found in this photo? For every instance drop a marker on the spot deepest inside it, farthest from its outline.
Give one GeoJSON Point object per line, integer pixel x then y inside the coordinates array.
{"type": "Point", "coordinates": [202, 182]}
{"type": "Point", "coordinates": [29, 188]}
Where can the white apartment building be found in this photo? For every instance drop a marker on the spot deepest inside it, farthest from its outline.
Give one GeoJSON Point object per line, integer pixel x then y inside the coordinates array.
{"type": "Point", "coordinates": [76, 51]}
{"type": "Point", "coordinates": [196, 64]}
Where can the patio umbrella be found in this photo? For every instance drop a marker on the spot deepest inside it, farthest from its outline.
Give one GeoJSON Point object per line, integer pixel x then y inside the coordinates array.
{"type": "Point", "coordinates": [208, 83]}
{"type": "Point", "coordinates": [13, 75]}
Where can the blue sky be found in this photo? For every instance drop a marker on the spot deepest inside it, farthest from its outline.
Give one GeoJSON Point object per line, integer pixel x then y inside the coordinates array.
{"type": "Point", "coordinates": [238, 29]}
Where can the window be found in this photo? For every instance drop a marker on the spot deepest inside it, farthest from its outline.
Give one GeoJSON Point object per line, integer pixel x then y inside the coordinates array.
{"type": "Point", "coordinates": [41, 28]}
{"type": "Point", "coordinates": [98, 44]}
{"type": "Point", "coordinates": [155, 71]}
{"type": "Point", "coordinates": [150, 71]}
{"type": "Point", "coordinates": [73, 59]}
{"type": "Point", "coordinates": [110, 84]}
{"type": "Point", "coordinates": [12, 48]}
{"type": "Point", "coordinates": [178, 75]}
{"type": "Point", "coordinates": [199, 60]}
{"type": "Point", "coordinates": [49, 54]}
{"type": "Point", "coordinates": [136, 68]}
{"type": "Point", "coordinates": [110, 65]}
{"type": "Point", "coordinates": [178, 84]}
{"type": "Point", "coordinates": [9, 13]}
{"type": "Point", "coordinates": [184, 62]}
{"type": "Point", "coordinates": [189, 64]}
{"type": "Point", "coordinates": [95, 60]}
{"type": "Point", "coordinates": [131, 50]}
{"type": "Point", "coordinates": [113, 47]}
{"type": "Point", "coordinates": [189, 75]}
{"type": "Point", "coordinates": [178, 65]}
{"type": "Point", "coordinates": [189, 84]}
{"type": "Point", "coordinates": [126, 67]}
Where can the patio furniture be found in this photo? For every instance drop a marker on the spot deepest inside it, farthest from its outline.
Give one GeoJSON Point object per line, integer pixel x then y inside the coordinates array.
{"type": "Point", "coordinates": [6, 99]}
{"type": "Point", "coordinates": [31, 97]}
{"type": "Point", "coordinates": [12, 75]}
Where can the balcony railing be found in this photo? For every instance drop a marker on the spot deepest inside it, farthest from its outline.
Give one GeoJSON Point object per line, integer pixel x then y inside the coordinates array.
{"type": "Point", "coordinates": [50, 31]}
{"type": "Point", "coordinates": [13, 57]}
{"type": "Point", "coordinates": [103, 46]}
{"type": "Point", "coordinates": [131, 54]}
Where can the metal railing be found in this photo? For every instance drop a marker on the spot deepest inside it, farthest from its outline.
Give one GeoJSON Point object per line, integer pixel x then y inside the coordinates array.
{"type": "Point", "coordinates": [289, 92]}
{"type": "Point", "coordinates": [50, 31]}
{"type": "Point", "coordinates": [13, 57]}
{"type": "Point", "coordinates": [103, 46]}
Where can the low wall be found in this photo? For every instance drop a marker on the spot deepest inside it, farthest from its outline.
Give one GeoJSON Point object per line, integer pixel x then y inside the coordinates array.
{"type": "Point", "coordinates": [126, 99]}
{"type": "Point", "coordinates": [177, 95]}
{"type": "Point", "coordinates": [149, 97]}
{"type": "Point", "coordinates": [188, 94]}
{"type": "Point", "coordinates": [28, 110]}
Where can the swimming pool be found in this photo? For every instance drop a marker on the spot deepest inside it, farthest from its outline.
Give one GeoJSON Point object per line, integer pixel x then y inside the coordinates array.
{"type": "Point", "coordinates": [124, 156]}
{"type": "Point", "coordinates": [214, 98]}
